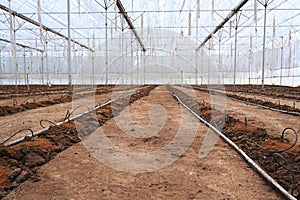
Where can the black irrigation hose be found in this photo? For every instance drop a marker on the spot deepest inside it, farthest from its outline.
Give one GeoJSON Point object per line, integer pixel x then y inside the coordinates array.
{"type": "Point", "coordinates": [68, 113]}
{"type": "Point", "coordinates": [254, 104]}
{"type": "Point", "coordinates": [24, 129]}
{"type": "Point", "coordinates": [277, 153]}
{"type": "Point", "coordinates": [282, 138]}
{"type": "Point", "coordinates": [25, 101]}
{"type": "Point", "coordinates": [75, 117]}
{"type": "Point", "coordinates": [46, 120]}
{"type": "Point", "coordinates": [242, 153]}
{"type": "Point", "coordinates": [288, 167]}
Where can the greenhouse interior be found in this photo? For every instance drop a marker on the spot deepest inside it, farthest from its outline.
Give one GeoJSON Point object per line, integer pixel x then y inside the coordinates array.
{"type": "Point", "coordinates": [149, 99]}
{"type": "Point", "coordinates": [193, 41]}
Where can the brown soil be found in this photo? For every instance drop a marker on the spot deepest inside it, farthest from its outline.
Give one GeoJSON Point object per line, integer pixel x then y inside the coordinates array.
{"type": "Point", "coordinates": [278, 145]}
{"type": "Point", "coordinates": [221, 174]}
{"type": "Point", "coordinates": [250, 140]}
{"type": "Point", "coordinates": [4, 180]}
{"type": "Point", "coordinates": [27, 156]}
{"type": "Point", "coordinates": [54, 112]}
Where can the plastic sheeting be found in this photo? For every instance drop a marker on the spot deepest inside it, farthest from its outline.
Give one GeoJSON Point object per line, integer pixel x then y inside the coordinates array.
{"type": "Point", "coordinates": [170, 31]}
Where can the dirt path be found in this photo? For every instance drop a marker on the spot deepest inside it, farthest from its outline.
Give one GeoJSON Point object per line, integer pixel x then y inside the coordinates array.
{"type": "Point", "coordinates": [219, 173]}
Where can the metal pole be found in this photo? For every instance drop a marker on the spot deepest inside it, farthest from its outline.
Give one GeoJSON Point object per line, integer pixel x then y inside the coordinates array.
{"type": "Point", "coordinates": [264, 47]}
{"type": "Point", "coordinates": [93, 68]}
{"type": "Point", "coordinates": [181, 77]}
{"type": "Point", "coordinates": [106, 46]}
{"type": "Point", "coordinates": [131, 59]}
{"type": "Point", "coordinates": [249, 66]}
{"type": "Point", "coordinates": [281, 66]}
{"type": "Point", "coordinates": [1, 67]}
{"type": "Point", "coordinates": [47, 63]}
{"type": "Point", "coordinates": [202, 66]}
{"type": "Point", "coordinates": [209, 65]}
{"type": "Point", "coordinates": [144, 67]}
{"type": "Point", "coordinates": [42, 68]}
{"type": "Point", "coordinates": [197, 67]}
{"type": "Point", "coordinates": [219, 71]}
{"type": "Point", "coordinates": [235, 50]}
{"type": "Point", "coordinates": [24, 67]}
{"type": "Point", "coordinates": [122, 58]}
{"type": "Point", "coordinates": [69, 48]}
{"type": "Point", "coordinates": [137, 65]}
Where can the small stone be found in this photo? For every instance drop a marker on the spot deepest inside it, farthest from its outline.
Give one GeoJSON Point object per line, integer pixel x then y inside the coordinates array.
{"type": "Point", "coordinates": [14, 174]}
{"type": "Point", "coordinates": [3, 194]}
{"type": "Point", "coordinates": [22, 177]}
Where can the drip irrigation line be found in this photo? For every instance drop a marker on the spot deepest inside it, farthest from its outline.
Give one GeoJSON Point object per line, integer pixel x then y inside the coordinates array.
{"type": "Point", "coordinates": [72, 118]}
{"type": "Point", "coordinates": [288, 167]}
{"type": "Point", "coordinates": [282, 139]}
{"type": "Point", "coordinates": [24, 129]}
{"type": "Point", "coordinates": [258, 105]}
{"type": "Point", "coordinates": [250, 162]}
{"type": "Point", "coordinates": [25, 101]}
{"type": "Point", "coordinates": [46, 120]}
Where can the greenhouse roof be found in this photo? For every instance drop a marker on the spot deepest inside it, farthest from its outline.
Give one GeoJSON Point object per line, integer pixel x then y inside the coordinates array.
{"type": "Point", "coordinates": [192, 19]}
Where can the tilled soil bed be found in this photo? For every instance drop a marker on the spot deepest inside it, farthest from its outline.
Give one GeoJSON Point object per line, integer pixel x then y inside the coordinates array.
{"type": "Point", "coordinates": [265, 149]}
{"type": "Point", "coordinates": [20, 162]}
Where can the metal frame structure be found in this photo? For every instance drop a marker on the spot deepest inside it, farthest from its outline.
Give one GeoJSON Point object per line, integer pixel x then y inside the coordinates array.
{"type": "Point", "coordinates": [15, 13]}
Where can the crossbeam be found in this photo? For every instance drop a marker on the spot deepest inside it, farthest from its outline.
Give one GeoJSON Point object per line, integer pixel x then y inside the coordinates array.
{"type": "Point", "coordinates": [21, 45]}
{"type": "Point", "coordinates": [124, 13]}
{"type": "Point", "coordinates": [231, 14]}
{"type": "Point", "coordinates": [2, 7]}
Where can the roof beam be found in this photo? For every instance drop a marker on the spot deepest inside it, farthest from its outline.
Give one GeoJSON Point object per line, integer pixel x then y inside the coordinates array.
{"type": "Point", "coordinates": [124, 13]}
{"type": "Point", "coordinates": [2, 7]}
{"type": "Point", "coordinates": [22, 45]}
{"type": "Point", "coordinates": [231, 14]}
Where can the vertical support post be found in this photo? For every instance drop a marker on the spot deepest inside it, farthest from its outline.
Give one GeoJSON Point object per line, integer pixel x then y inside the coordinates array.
{"type": "Point", "coordinates": [69, 48]}
{"type": "Point", "coordinates": [209, 65]}
{"type": "Point", "coordinates": [106, 46]}
{"type": "Point", "coordinates": [1, 72]}
{"type": "Point", "coordinates": [181, 77]}
{"type": "Point", "coordinates": [281, 60]}
{"type": "Point", "coordinates": [122, 58]}
{"type": "Point", "coordinates": [264, 47]}
{"type": "Point", "coordinates": [24, 66]}
{"type": "Point", "coordinates": [93, 68]}
{"type": "Point", "coordinates": [137, 65]}
{"type": "Point", "coordinates": [219, 70]}
{"type": "Point", "coordinates": [13, 44]}
{"type": "Point", "coordinates": [202, 66]}
{"type": "Point", "coordinates": [47, 62]}
{"type": "Point", "coordinates": [235, 49]}
{"type": "Point", "coordinates": [249, 66]}
{"type": "Point", "coordinates": [196, 67]}
{"type": "Point", "coordinates": [131, 41]}
{"type": "Point", "coordinates": [42, 68]}
{"type": "Point", "coordinates": [197, 34]}
{"type": "Point", "coordinates": [144, 65]}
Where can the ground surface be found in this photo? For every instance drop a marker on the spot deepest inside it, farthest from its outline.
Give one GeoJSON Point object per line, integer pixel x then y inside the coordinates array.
{"type": "Point", "coordinates": [218, 173]}
{"type": "Point", "coordinates": [273, 122]}
{"type": "Point", "coordinates": [31, 118]}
